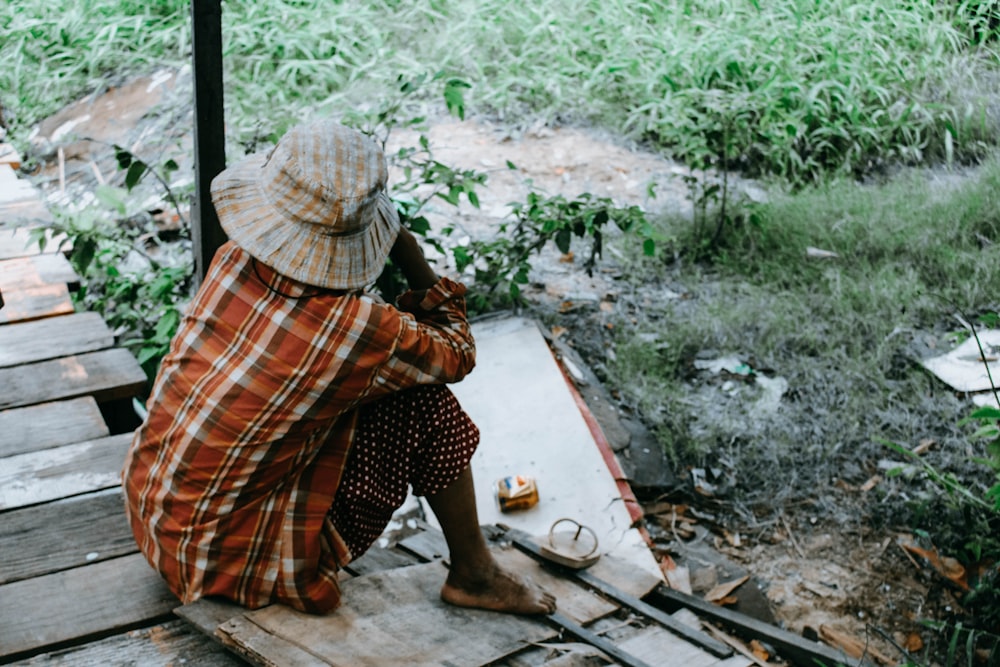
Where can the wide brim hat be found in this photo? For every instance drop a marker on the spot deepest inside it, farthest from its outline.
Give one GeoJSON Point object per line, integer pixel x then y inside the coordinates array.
{"type": "Point", "coordinates": [314, 208]}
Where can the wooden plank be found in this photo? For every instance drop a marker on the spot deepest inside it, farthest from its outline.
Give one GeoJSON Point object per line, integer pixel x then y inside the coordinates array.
{"type": "Point", "coordinates": [790, 646]}
{"type": "Point", "coordinates": [26, 272]}
{"type": "Point", "coordinates": [61, 535]}
{"type": "Point", "coordinates": [28, 342]}
{"type": "Point", "coordinates": [34, 303]}
{"type": "Point", "coordinates": [17, 242]}
{"type": "Point", "coordinates": [379, 560]}
{"type": "Point", "coordinates": [47, 425]}
{"type": "Point", "coordinates": [44, 613]}
{"type": "Point", "coordinates": [653, 642]}
{"type": "Point", "coordinates": [9, 156]}
{"type": "Point", "coordinates": [164, 645]}
{"type": "Point", "coordinates": [26, 211]}
{"type": "Point", "coordinates": [61, 472]}
{"type": "Point", "coordinates": [390, 618]}
{"type": "Point", "coordinates": [106, 375]}
{"type": "Point", "coordinates": [590, 577]}
{"type": "Point", "coordinates": [13, 189]}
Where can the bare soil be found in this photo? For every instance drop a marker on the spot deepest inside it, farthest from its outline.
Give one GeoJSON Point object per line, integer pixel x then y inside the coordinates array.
{"type": "Point", "coordinates": [839, 578]}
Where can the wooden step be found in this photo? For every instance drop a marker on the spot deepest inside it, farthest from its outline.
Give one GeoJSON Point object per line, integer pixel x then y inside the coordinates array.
{"type": "Point", "coordinates": [52, 424]}
{"type": "Point", "coordinates": [73, 605]}
{"type": "Point", "coordinates": [17, 242]}
{"type": "Point", "coordinates": [106, 375]}
{"type": "Point", "coordinates": [22, 273]}
{"type": "Point", "coordinates": [35, 303]}
{"type": "Point", "coordinates": [28, 342]}
{"type": "Point", "coordinates": [64, 534]}
{"type": "Point", "coordinates": [60, 472]}
{"type": "Point", "coordinates": [162, 645]}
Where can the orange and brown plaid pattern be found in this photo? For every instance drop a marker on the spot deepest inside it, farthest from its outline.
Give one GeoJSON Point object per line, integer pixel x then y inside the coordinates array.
{"type": "Point", "coordinates": [229, 480]}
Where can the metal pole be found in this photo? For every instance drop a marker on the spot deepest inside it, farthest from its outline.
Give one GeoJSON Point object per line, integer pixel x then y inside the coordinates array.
{"type": "Point", "coordinates": [209, 129]}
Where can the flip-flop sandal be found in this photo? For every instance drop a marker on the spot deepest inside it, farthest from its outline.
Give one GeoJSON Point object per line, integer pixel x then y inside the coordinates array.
{"type": "Point", "coordinates": [566, 548]}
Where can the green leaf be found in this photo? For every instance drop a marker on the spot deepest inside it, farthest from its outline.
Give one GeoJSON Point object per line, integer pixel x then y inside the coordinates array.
{"type": "Point", "coordinates": [123, 157]}
{"type": "Point", "coordinates": [166, 326]}
{"type": "Point", "coordinates": [511, 166]}
{"type": "Point", "coordinates": [419, 225]}
{"type": "Point", "coordinates": [649, 247]}
{"type": "Point", "coordinates": [454, 97]}
{"type": "Point", "coordinates": [113, 198]}
{"type": "Point", "coordinates": [134, 174]}
{"type": "Point", "coordinates": [563, 239]}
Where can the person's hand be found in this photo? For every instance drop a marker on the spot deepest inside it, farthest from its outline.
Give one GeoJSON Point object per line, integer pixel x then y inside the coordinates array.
{"type": "Point", "coordinates": [407, 254]}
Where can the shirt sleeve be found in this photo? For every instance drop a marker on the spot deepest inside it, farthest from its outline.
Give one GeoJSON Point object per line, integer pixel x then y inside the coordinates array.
{"type": "Point", "coordinates": [434, 344]}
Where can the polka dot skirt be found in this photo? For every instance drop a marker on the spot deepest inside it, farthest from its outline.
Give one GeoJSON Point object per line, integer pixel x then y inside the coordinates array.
{"type": "Point", "coordinates": [419, 437]}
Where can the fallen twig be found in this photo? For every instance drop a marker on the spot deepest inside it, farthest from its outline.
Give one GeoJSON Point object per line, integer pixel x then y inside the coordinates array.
{"type": "Point", "coordinates": [791, 536]}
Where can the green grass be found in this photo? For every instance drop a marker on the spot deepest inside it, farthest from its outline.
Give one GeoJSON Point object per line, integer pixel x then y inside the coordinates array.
{"type": "Point", "coordinates": [841, 331]}
{"type": "Point", "coordinates": [792, 88]}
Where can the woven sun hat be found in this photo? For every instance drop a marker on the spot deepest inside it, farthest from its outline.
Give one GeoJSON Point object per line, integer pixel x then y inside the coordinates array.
{"type": "Point", "coordinates": [314, 207]}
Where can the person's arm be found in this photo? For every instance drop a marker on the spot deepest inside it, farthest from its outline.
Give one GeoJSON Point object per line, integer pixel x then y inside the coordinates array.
{"type": "Point", "coordinates": [409, 257]}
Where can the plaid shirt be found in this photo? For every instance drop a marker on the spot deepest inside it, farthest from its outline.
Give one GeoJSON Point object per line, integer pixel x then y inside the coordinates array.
{"type": "Point", "coordinates": [229, 480]}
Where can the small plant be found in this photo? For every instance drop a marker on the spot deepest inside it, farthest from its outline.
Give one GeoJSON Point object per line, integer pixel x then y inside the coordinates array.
{"type": "Point", "coordinates": [137, 283]}
{"type": "Point", "coordinates": [504, 261]}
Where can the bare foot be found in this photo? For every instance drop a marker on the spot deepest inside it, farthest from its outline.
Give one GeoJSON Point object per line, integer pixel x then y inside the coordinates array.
{"type": "Point", "coordinates": [496, 589]}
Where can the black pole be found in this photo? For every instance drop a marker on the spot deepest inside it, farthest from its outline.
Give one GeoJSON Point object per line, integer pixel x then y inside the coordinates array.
{"type": "Point", "coordinates": [209, 129]}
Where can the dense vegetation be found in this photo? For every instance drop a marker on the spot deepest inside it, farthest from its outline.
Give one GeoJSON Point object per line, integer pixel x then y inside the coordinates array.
{"type": "Point", "coordinates": [826, 102]}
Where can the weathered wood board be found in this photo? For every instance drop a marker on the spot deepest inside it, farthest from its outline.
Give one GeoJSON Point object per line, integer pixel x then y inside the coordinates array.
{"type": "Point", "coordinates": [46, 425]}
{"type": "Point", "coordinates": [657, 646]}
{"type": "Point", "coordinates": [59, 472]}
{"type": "Point", "coordinates": [106, 375]}
{"type": "Point", "coordinates": [35, 271]}
{"type": "Point", "coordinates": [392, 618]}
{"type": "Point", "coordinates": [35, 303]}
{"type": "Point", "coordinates": [12, 189]}
{"type": "Point", "coordinates": [397, 617]}
{"type": "Point", "coordinates": [28, 342]}
{"type": "Point", "coordinates": [56, 536]}
{"type": "Point", "coordinates": [169, 644]}
{"type": "Point", "coordinates": [114, 595]}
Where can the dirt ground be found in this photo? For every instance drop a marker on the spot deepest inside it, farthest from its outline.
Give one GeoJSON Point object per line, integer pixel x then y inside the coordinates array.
{"type": "Point", "coordinates": [837, 579]}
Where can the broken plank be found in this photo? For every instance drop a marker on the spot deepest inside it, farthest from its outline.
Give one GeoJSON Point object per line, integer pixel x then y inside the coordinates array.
{"type": "Point", "coordinates": [35, 303]}
{"type": "Point", "coordinates": [61, 472]}
{"type": "Point", "coordinates": [46, 425]}
{"type": "Point", "coordinates": [28, 342]}
{"type": "Point", "coordinates": [790, 646]}
{"type": "Point", "coordinates": [389, 618]}
{"type": "Point", "coordinates": [106, 375]}
{"type": "Point", "coordinates": [591, 577]}
{"type": "Point", "coordinates": [51, 611]}
{"type": "Point", "coordinates": [653, 642]}
{"type": "Point", "coordinates": [65, 534]}
{"type": "Point", "coordinates": [26, 272]}
{"type": "Point", "coordinates": [163, 645]}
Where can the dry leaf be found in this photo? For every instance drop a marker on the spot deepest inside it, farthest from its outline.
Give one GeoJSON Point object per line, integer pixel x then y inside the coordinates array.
{"type": "Point", "coordinates": [851, 646]}
{"type": "Point", "coordinates": [758, 650]}
{"type": "Point", "coordinates": [567, 258]}
{"type": "Point", "coordinates": [924, 446]}
{"type": "Point", "coordinates": [946, 566]}
{"type": "Point", "coordinates": [870, 484]}
{"type": "Point", "coordinates": [913, 642]}
{"type": "Point", "coordinates": [677, 576]}
{"type": "Point", "coordinates": [558, 331]}
{"type": "Point", "coordinates": [724, 589]}
{"type": "Point", "coordinates": [607, 307]}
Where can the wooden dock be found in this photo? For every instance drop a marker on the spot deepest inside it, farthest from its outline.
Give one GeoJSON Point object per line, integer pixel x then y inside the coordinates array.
{"type": "Point", "coordinates": [75, 591]}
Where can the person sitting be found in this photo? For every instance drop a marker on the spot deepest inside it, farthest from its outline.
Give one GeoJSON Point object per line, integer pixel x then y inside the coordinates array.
{"type": "Point", "coordinates": [294, 408]}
